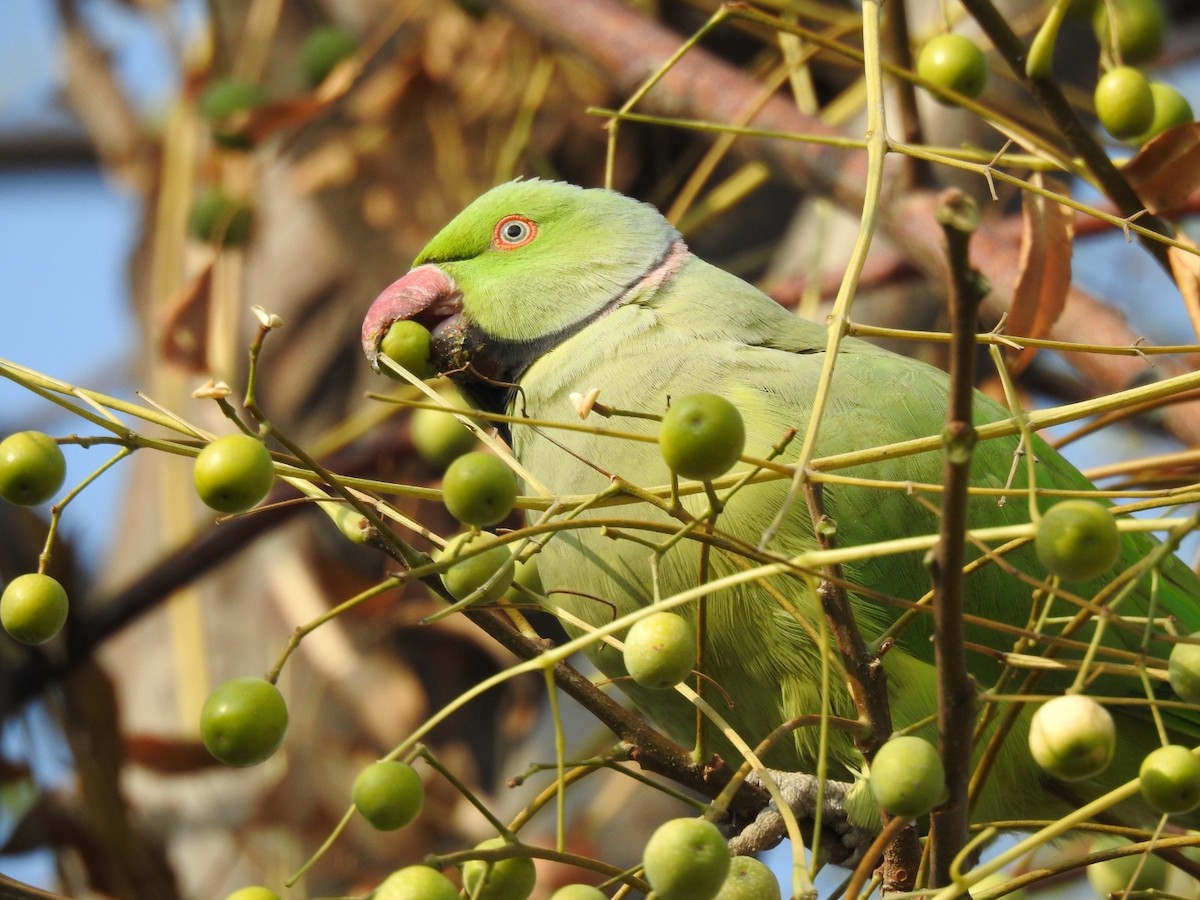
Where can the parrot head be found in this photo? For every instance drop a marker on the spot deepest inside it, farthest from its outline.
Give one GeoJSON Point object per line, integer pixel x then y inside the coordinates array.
{"type": "Point", "coordinates": [524, 267]}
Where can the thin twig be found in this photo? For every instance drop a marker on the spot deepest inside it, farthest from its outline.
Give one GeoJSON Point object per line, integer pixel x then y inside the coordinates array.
{"type": "Point", "coordinates": [959, 217]}
{"type": "Point", "coordinates": [865, 675]}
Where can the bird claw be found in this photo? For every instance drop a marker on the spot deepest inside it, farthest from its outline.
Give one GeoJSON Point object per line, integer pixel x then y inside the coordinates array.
{"type": "Point", "coordinates": [841, 843]}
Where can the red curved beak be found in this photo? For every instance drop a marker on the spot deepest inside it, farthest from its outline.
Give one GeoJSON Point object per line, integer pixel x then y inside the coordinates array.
{"type": "Point", "coordinates": [426, 294]}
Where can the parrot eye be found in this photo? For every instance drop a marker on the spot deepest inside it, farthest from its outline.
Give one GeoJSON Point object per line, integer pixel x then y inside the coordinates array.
{"type": "Point", "coordinates": [513, 232]}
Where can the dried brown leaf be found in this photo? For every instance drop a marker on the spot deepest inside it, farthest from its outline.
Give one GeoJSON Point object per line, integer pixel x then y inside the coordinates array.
{"type": "Point", "coordinates": [1044, 276]}
{"type": "Point", "coordinates": [1185, 269]}
{"type": "Point", "coordinates": [184, 340]}
{"type": "Point", "coordinates": [1166, 171]}
{"type": "Point", "coordinates": [161, 753]}
{"type": "Point", "coordinates": [282, 115]}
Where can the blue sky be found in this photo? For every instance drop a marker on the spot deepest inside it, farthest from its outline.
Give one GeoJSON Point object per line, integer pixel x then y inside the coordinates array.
{"type": "Point", "coordinates": [65, 236]}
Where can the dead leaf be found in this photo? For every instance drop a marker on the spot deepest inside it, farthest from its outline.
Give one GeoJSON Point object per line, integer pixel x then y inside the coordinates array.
{"type": "Point", "coordinates": [184, 335]}
{"type": "Point", "coordinates": [264, 121]}
{"type": "Point", "coordinates": [1044, 277]}
{"type": "Point", "coordinates": [1185, 269]}
{"type": "Point", "coordinates": [1166, 171]}
{"type": "Point", "coordinates": [161, 753]}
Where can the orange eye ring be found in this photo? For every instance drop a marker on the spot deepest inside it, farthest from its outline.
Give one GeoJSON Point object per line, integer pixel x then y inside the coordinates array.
{"type": "Point", "coordinates": [513, 231]}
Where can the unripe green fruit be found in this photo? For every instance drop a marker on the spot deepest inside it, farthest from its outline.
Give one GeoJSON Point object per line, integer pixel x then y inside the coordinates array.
{"type": "Point", "coordinates": [1078, 540]}
{"type": "Point", "coordinates": [1183, 670]}
{"type": "Point", "coordinates": [233, 473]}
{"type": "Point", "coordinates": [1072, 737]}
{"type": "Point", "coordinates": [217, 218]}
{"type": "Point", "coordinates": [389, 794]}
{"type": "Point", "coordinates": [686, 859]}
{"type": "Point", "coordinates": [525, 574]}
{"type": "Point", "coordinates": [479, 489]}
{"type": "Point", "coordinates": [32, 468]}
{"type": "Point", "coordinates": [1171, 108]}
{"type": "Point", "coordinates": [578, 892]}
{"type": "Point", "coordinates": [228, 96]}
{"type": "Point", "coordinates": [660, 650]}
{"type": "Point", "coordinates": [702, 436]}
{"type": "Point", "coordinates": [907, 777]}
{"type": "Point", "coordinates": [323, 49]}
{"type": "Point", "coordinates": [1114, 876]}
{"type": "Point", "coordinates": [953, 61]}
{"type": "Point", "coordinates": [749, 879]}
{"type": "Point", "coordinates": [1124, 102]}
{"type": "Point", "coordinates": [439, 437]}
{"type": "Point", "coordinates": [243, 721]}
{"type": "Point", "coordinates": [505, 879]}
{"type": "Point", "coordinates": [223, 103]}
{"type": "Point", "coordinates": [410, 345]}
{"type": "Point", "coordinates": [416, 883]}
{"type": "Point", "coordinates": [1171, 779]}
{"type": "Point", "coordinates": [253, 893]}
{"type": "Point", "coordinates": [464, 578]}
{"type": "Point", "coordinates": [33, 608]}
{"type": "Point", "coordinates": [1141, 27]}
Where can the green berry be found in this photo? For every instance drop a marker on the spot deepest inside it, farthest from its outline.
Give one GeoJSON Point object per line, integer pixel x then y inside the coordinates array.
{"type": "Point", "coordinates": [416, 883]}
{"type": "Point", "coordinates": [505, 879]}
{"type": "Point", "coordinates": [243, 721]}
{"type": "Point", "coordinates": [227, 97]}
{"type": "Point", "coordinates": [389, 794]}
{"type": "Point", "coordinates": [217, 218]}
{"type": "Point", "coordinates": [1077, 540]}
{"type": "Point", "coordinates": [907, 777]}
{"type": "Point", "coordinates": [233, 473]}
{"type": "Point", "coordinates": [464, 578]}
{"type": "Point", "coordinates": [1183, 670]}
{"type": "Point", "coordinates": [225, 104]}
{"type": "Point", "coordinates": [686, 859]}
{"type": "Point", "coordinates": [33, 608]}
{"type": "Point", "coordinates": [660, 650]}
{"type": "Point", "coordinates": [953, 61]}
{"type": "Point", "coordinates": [1124, 102]}
{"type": "Point", "coordinates": [527, 575]}
{"type": "Point", "coordinates": [1141, 27]}
{"type": "Point", "coordinates": [32, 468]}
{"type": "Point", "coordinates": [578, 892]}
{"type": "Point", "coordinates": [1171, 779]}
{"type": "Point", "coordinates": [702, 436]}
{"type": "Point", "coordinates": [749, 879]}
{"type": "Point", "coordinates": [1171, 108]}
{"type": "Point", "coordinates": [323, 49]}
{"type": "Point", "coordinates": [1072, 737]}
{"type": "Point", "coordinates": [439, 437]}
{"type": "Point", "coordinates": [409, 345]}
{"type": "Point", "coordinates": [479, 489]}
{"type": "Point", "coordinates": [253, 893]}
{"type": "Point", "coordinates": [1114, 876]}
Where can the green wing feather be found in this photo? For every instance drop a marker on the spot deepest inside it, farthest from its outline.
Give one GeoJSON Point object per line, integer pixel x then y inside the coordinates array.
{"type": "Point", "coordinates": [712, 332]}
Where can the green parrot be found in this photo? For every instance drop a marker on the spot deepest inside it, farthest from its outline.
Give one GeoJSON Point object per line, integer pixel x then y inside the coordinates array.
{"type": "Point", "coordinates": [540, 290]}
